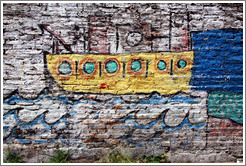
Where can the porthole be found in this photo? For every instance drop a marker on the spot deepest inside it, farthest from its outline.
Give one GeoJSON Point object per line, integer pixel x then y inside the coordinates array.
{"type": "Point", "coordinates": [161, 65]}
{"type": "Point", "coordinates": [65, 68]}
{"type": "Point", "coordinates": [136, 65]}
{"type": "Point", "coordinates": [89, 67]}
{"type": "Point", "coordinates": [181, 64]}
{"type": "Point", "coordinates": [111, 66]}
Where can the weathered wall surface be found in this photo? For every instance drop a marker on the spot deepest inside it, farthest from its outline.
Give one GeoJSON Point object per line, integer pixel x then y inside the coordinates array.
{"type": "Point", "coordinates": [203, 123]}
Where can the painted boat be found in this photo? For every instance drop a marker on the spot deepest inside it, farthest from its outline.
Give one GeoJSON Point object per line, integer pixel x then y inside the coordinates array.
{"type": "Point", "coordinates": [166, 72]}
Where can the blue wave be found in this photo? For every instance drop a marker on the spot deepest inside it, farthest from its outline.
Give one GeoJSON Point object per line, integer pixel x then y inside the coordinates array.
{"type": "Point", "coordinates": [116, 100]}
{"type": "Point", "coordinates": [40, 119]}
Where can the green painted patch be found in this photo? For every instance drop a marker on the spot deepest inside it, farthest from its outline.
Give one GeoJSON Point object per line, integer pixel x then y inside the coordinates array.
{"type": "Point", "coordinates": [226, 105]}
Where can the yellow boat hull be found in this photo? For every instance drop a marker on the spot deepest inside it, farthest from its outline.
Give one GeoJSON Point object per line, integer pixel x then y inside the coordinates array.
{"type": "Point", "coordinates": [166, 73]}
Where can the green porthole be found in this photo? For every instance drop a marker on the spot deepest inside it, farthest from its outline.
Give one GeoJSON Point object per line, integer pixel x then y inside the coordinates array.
{"type": "Point", "coordinates": [111, 66]}
{"type": "Point", "coordinates": [161, 65]}
{"type": "Point", "coordinates": [181, 64]}
{"type": "Point", "coordinates": [89, 67]}
{"type": "Point", "coordinates": [136, 66]}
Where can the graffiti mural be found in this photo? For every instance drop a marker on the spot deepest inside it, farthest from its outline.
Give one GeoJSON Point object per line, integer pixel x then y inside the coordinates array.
{"type": "Point", "coordinates": [121, 74]}
{"type": "Point", "coordinates": [149, 77]}
{"type": "Point", "coordinates": [132, 116]}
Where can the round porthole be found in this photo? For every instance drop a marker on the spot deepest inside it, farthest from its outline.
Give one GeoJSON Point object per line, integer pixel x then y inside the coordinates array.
{"type": "Point", "coordinates": [136, 66]}
{"type": "Point", "coordinates": [181, 64]}
{"type": "Point", "coordinates": [161, 65]}
{"type": "Point", "coordinates": [111, 66]}
{"type": "Point", "coordinates": [89, 67]}
{"type": "Point", "coordinates": [65, 68]}
{"type": "Point", "coordinates": [134, 38]}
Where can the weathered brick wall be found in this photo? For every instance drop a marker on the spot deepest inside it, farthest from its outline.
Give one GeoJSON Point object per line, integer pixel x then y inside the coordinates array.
{"type": "Point", "coordinates": [203, 124]}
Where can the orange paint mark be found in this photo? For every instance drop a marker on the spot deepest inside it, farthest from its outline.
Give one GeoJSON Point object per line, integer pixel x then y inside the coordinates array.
{"type": "Point", "coordinates": [117, 107]}
{"type": "Point", "coordinates": [92, 97]}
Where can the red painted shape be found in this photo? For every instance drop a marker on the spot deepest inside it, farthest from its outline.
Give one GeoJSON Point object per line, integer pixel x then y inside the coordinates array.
{"type": "Point", "coordinates": [222, 127]}
{"type": "Point", "coordinates": [52, 32]}
{"type": "Point", "coordinates": [103, 86]}
{"type": "Point", "coordinates": [98, 37]}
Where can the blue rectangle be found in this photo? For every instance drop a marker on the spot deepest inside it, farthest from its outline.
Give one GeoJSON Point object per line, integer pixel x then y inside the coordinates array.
{"type": "Point", "coordinates": [219, 55]}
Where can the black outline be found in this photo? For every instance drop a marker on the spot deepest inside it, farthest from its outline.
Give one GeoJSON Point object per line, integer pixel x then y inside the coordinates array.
{"type": "Point", "coordinates": [100, 69]}
{"type": "Point", "coordinates": [170, 31]}
{"type": "Point", "coordinates": [149, 95]}
{"type": "Point", "coordinates": [171, 67]}
{"type": "Point", "coordinates": [164, 51]}
{"type": "Point", "coordinates": [186, 116]}
{"type": "Point", "coordinates": [88, 39]}
{"type": "Point", "coordinates": [76, 67]}
{"type": "Point", "coordinates": [53, 47]}
{"type": "Point", "coordinates": [124, 68]}
{"type": "Point", "coordinates": [44, 114]}
{"type": "Point", "coordinates": [117, 38]}
{"type": "Point", "coordinates": [147, 68]}
{"type": "Point", "coordinates": [188, 31]}
{"type": "Point", "coordinates": [10, 133]}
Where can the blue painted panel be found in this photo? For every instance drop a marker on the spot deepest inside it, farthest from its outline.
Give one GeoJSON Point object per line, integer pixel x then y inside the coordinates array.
{"type": "Point", "coordinates": [218, 61]}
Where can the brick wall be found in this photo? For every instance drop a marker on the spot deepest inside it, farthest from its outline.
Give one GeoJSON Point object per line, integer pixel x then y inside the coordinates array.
{"type": "Point", "coordinates": [201, 124]}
